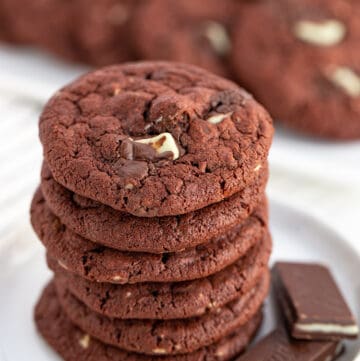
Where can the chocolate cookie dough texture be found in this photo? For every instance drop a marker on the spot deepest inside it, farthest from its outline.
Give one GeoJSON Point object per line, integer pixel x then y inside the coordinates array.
{"type": "Point", "coordinates": [153, 212]}
{"type": "Point", "coordinates": [301, 60]}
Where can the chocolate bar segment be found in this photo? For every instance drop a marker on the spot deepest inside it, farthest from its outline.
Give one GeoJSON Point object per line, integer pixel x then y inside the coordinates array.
{"type": "Point", "coordinates": [277, 346]}
{"type": "Point", "coordinates": [312, 303]}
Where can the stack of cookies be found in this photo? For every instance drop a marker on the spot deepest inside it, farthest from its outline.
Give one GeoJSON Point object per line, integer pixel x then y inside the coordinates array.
{"type": "Point", "coordinates": [153, 214]}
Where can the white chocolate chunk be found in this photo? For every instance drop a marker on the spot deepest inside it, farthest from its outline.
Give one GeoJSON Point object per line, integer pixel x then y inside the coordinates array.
{"type": "Point", "coordinates": [159, 351]}
{"type": "Point", "coordinates": [116, 91]}
{"type": "Point", "coordinates": [218, 37]}
{"type": "Point", "coordinates": [118, 279]}
{"type": "Point", "coordinates": [63, 265]}
{"type": "Point", "coordinates": [324, 33]}
{"type": "Point", "coordinates": [257, 168]}
{"type": "Point", "coordinates": [346, 79]}
{"type": "Point", "coordinates": [84, 342]}
{"type": "Point", "coordinates": [328, 328]}
{"type": "Point", "coordinates": [162, 143]}
{"type": "Point", "coordinates": [218, 118]}
{"type": "Point", "coordinates": [222, 351]}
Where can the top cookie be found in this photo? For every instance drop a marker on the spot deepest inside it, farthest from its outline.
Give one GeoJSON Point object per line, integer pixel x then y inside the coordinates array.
{"type": "Point", "coordinates": [301, 59]}
{"type": "Point", "coordinates": [155, 138]}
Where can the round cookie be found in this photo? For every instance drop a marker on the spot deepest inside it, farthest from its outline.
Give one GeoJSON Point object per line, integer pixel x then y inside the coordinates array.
{"type": "Point", "coordinates": [171, 337]}
{"type": "Point", "coordinates": [169, 300]}
{"type": "Point", "coordinates": [200, 32]}
{"type": "Point", "coordinates": [102, 30]}
{"type": "Point", "coordinates": [73, 345]}
{"type": "Point", "coordinates": [155, 138]}
{"type": "Point", "coordinates": [302, 61]}
{"type": "Point", "coordinates": [122, 231]}
{"type": "Point", "coordinates": [102, 264]}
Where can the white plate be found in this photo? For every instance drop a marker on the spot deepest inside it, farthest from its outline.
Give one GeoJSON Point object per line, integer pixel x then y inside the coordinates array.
{"type": "Point", "coordinates": [296, 237]}
{"type": "Point", "coordinates": [336, 162]}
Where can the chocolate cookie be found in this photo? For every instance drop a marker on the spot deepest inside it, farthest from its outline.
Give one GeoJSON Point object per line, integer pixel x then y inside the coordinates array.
{"type": "Point", "coordinates": [47, 24]}
{"type": "Point", "coordinates": [200, 32]}
{"type": "Point", "coordinates": [302, 61]}
{"type": "Point", "coordinates": [74, 345]}
{"type": "Point", "coordinates": [102, 30]}
{"type": "Point", "coordinates": [169, 300]}
{"type": "Point", "coordinates": [171, 337]}
{"type": "Point", "coordinates": [155, 138]}
{"type": "Point", "coordinates": [102, 264]}
{"type": "Point", "coordinates": [122, 231]}
{"type": "Point", "coordinates": [5, 28]}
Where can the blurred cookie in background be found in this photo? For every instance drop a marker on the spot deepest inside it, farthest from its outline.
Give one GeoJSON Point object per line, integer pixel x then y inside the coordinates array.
{"type": "Point", "coordinates": [103, 30]}
{"type": "Point", "coordinates": [113, 31]}
{"type": "Point", "coordinates": [302, 61]}
{"type": "Point", "coordinates": [196, 32]}
{"type": "Point", "coordinates": [46, 24]}
{"type": "Point", "coordinates": [4, 28]}
{"type": "Point", "coordinates": [95, 33]}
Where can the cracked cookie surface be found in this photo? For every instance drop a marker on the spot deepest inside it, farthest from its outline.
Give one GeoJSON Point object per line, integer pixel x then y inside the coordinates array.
{"type": "Point", "coordinates": [75, 345]}
{"type": "Point", "coordinates": [169, 300]}
{"type": "Point", "coordinates": [122, 231]}
{"type": "Point", "coordinates": [212, 138]}
{"type": "Point", "coordinates": [102, 264]}
{"type": "Point", "coordinates": [301, 60]}
{"type": "Point", "coordinates": [155, 337]}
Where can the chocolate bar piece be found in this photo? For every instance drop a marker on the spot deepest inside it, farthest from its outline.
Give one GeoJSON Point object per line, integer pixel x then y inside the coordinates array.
{"type": "Point", "coordinates": [312, 303]}
{"type": "Point", "coordinates": [277, 346]}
